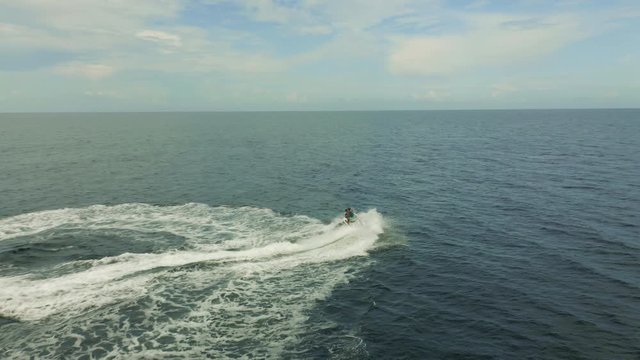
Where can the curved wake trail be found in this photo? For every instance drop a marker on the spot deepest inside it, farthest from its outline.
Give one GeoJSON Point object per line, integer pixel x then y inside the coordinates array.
{"type": "Point", "coordinates": [190, 279]}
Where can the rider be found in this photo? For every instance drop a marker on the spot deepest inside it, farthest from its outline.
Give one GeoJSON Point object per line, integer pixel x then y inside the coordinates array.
{"type": "Point", "coordinates": [348, 215]}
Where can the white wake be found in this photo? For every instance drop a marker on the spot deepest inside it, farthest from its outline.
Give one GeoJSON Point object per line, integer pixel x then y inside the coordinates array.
{"type": "Point", "coordinates": [275, 266]}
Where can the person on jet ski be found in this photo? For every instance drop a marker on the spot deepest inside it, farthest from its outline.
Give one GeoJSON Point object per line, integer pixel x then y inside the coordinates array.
{"type": "Point", "coordinates": [349, 216]}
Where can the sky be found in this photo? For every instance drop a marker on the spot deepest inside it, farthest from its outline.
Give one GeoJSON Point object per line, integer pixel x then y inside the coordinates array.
{"type": "Point", "coordinates": [253, 55]}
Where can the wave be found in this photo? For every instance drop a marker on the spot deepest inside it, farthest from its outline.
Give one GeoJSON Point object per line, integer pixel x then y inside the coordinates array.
{"type": "Point", "coordinates": [257, 255]}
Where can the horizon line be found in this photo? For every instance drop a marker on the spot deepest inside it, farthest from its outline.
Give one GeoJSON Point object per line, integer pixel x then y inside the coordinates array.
{"type": "Point", "coordinates": [302, 111]}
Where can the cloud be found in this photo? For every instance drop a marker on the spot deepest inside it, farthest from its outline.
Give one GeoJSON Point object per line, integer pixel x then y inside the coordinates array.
{"type": "Point", "coordinates": [213, 49]}
{"type": "Point", "coordinates": [300, 18]}
{"type": "Point", "coordinates": [160, 37]}
{"type": "Point", "coordinates": [95, 33]}
{"type": "Point", "coordinates": [92, 15]}
{"type": "Point", "coordinates": [494, 40]}
{"type": "Point", "coordinates": [89, 71]}
{"type": "Point", "coordinates": [271, 11]}
{"type": "Point", "coordinates": [81, 25]}
{"type": "Point", "coordinates": [363, 14]}
{"type": "Point", "coordinates": [9, 29]}
{"type": "Point", "coordinates": [323, 17]}
{"type": "Point", "coordinates": [23, 37]}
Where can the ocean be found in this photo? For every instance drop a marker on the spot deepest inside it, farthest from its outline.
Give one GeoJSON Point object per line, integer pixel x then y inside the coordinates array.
{"type": "Point", "coordinates": [511, 234]}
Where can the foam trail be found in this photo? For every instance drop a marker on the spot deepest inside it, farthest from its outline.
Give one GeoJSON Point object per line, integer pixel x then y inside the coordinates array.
{"type": "Point", "coordinates": [241, 241]}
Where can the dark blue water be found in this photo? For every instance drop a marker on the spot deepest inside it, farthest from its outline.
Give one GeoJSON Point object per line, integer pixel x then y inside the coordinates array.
{"type": "Point", "coordinates": [485, 235]}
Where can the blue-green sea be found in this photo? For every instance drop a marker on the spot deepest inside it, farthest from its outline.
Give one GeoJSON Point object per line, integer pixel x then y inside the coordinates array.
{"type": "Point", "coordinates": [509, 234]}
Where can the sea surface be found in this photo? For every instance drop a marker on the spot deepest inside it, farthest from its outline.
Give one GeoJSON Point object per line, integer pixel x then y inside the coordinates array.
{"type": "Point", "coordinates": [481, 235]}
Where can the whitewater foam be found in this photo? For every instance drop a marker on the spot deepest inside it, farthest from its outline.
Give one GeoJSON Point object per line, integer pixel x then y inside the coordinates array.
{"type": "Point", "coordinates": [245, 276]}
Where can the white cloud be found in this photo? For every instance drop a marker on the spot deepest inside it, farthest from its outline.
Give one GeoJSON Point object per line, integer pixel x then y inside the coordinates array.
{"type": "Point", "coordinates": [16, 36]}
{"type": "Point", "coordinates": [111, 33]}
{"type": "Point", "coordinates": [160, 37]}
{"type": "Point", "coordinates": [89, 71]}
{"type": "Point", "coordinates": [164, 53]}
{"type": "Point", "coordinates": [93, 15]}
{"type": "Point", "coordinates": [82, 24]}
{"type": "Point", "coordinates": [362, 14]}
{"type": "Point", "coordinates": [302, 18]}
{"type": "Point", "coordinates": [324, 17]}
{"type": "Point", "coordinates": [9, 29]}
{"type": "Point", "coordinates": [271, 11]}
{"type": "Point", "coordinates": [493, 41]}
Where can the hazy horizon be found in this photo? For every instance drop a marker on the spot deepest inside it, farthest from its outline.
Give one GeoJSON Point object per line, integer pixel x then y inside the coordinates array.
{"type": "Point", "coordinates": [311, 110]}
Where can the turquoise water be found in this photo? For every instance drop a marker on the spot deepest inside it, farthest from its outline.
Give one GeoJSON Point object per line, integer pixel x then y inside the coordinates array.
{"type": "Point", "coordinates": [483, 234]}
